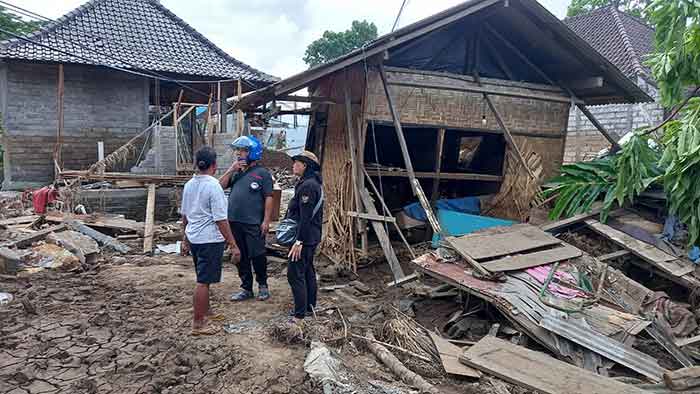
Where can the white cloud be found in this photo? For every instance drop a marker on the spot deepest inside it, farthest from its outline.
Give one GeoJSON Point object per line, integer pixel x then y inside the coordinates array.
{"type": "Point", "coordinates": [272, 35]}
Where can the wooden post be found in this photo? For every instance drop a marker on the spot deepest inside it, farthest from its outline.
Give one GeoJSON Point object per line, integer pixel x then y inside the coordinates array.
{"type": "Point", "coordinates": [415, 185]}
{"type": "Point", "coordinates": [438, 166]}
{"type": "Point", "coordinates": [150, 217]}
{"type": "Point", "coordinates": [59, 130]}
{"type": "Point", "coordinates": [615, 146]}
{"type": "Point", "coordinates": [240, 125]}
{"type": "Point", "coordinates": [156, 96]}
{"type": "Point", "coordinates": [220, 108]}
{"type": "Point", "coordinates": [354, 164]}
{"type": "Point", "coordinates": [100, 150]}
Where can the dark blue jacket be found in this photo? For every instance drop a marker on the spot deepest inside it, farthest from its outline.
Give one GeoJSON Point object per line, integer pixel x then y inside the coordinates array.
{"type": "Point", "coordinates": [307, 192]}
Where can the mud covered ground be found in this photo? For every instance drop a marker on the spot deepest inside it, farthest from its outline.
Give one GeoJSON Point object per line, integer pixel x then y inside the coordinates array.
{"type": "Point", "coordinates": [123, 327]}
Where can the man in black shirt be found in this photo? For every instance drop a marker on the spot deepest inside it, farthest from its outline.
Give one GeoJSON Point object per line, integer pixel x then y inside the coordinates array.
{"type": "Point", "coordinates": [301, 273]}
{"type": "Point", "coordinates": [249, 212]}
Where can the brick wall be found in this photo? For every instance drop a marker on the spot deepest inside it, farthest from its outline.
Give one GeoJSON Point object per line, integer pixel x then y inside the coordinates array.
{"type": "Point", "coordinates": [466, 110]}
{"type": "Point", "coordinates": [584, 141]}
{"type": "Point", "coordinates": [99, 105]}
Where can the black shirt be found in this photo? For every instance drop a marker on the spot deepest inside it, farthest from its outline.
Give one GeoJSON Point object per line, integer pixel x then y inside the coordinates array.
{"type": "Point", "coordinates": [306, 195]}
{"type": "Point", "coordinates": [249, 188]}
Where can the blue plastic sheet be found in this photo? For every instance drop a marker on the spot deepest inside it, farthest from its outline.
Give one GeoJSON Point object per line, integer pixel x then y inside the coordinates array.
{"type": "Point", "coordinates": [694, 254]}
{"type": "Point", "coordinates": [457, 223]}
{"type": "Point", "coordinates": [470, 205]}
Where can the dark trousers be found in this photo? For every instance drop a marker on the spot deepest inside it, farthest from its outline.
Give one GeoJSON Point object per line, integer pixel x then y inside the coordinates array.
{"type": "Point", "coordinates": [252, 246]}
{"type": "Point", "coordinates": [301, 275]}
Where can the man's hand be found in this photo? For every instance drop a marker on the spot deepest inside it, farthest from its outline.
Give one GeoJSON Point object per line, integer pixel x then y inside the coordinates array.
{"type": "Point", "coordinates": [235, 252]}
{"type": "Point", "coordinates": [184, 248]}
{"type": "Point", "coordinates": [295, 252]}
{"type": "Point", "coordinates": [235, 166]}
{"type": "Point", "coordinates": [265, 228]}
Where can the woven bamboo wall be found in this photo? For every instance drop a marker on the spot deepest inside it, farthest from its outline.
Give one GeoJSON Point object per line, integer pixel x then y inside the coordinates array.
{"type": "Point", "coordinates": [339, 229]}
{"type": "Point", "coordinates": [453, 109]}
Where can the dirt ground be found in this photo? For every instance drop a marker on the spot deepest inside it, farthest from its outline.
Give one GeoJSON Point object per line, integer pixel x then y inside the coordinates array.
{"type": "Point", "coordinates": [123, 327]}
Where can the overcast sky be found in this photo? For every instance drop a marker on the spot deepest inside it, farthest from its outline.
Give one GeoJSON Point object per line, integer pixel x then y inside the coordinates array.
{"type": "Point", "coordinates": [272, 35]}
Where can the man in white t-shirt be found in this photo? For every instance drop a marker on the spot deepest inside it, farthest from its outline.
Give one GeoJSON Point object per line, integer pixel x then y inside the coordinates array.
{"type": "Point", "coordinates": [207, 232]}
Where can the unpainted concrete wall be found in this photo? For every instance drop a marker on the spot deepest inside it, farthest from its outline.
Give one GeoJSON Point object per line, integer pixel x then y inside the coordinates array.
{"type": "Point", "coordinates": [99, 105]}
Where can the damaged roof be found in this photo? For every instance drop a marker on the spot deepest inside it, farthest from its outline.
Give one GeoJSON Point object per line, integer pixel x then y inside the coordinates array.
{"type": "Point", "coordinates": [134, 34]}
{"type": "Point", "coordinates": [623, 39]}
{"type": "Point", "coordinates": [527, 26]}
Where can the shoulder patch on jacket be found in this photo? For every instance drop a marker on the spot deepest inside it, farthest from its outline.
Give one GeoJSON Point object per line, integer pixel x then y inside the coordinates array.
{"type": "Point", "coordinates": [305, 198]}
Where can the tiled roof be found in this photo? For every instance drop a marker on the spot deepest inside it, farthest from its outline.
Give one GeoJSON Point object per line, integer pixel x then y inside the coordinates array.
{"type": "Point", "coordinates": [623, 39]}
{"type": "Point", "coordinates": [136, 34]}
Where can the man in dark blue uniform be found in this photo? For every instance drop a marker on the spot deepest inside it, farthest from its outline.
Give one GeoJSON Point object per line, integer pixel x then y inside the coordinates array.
{"type": "Point", "coordinates": [308, 194]}
{"type": "Point", "coordinates": [249, 212]}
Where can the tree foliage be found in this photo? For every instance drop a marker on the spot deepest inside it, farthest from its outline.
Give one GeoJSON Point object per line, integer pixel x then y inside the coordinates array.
{"type": "Point", "coordinates": [13, 23]}
{"type": "Point", "coordinates": [675, 163]}
{"type": "Point", "coordinates": [633, 7]}
{"type": "Point", "coordinates": [334, 44]}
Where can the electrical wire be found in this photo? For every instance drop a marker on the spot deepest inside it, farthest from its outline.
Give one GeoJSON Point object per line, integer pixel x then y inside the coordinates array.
{"type": "Point", "coordinates": [396, 21]}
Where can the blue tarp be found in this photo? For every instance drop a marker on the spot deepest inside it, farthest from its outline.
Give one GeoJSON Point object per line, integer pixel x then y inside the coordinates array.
{"type": "Point", "coordinates": [471, 205]}
{"type": "Point", "coordinates": [457, 223]}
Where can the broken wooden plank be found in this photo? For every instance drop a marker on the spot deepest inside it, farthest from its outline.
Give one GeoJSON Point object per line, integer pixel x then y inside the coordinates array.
{"type": "Point", "coordinates": [150, 218]}
{"type": "Point", "coordinates": [648, 253]}
{"type": "Point", "coordinates": [667, 343]}
{"type": "Point", "coordinates": [484, 245]}
{"type": "Point", "coordinates": [688, 341]}
{"type": "Point", "coordinates": [406, 279]}
{"type": "Point", "coordinates": [369, 216]}
{"type": "Point", "coordinates": [102, 221]}
{"type": "Point", "coordinates": [613, 255]}
{"type": "Point", "coordinates": [683, 379]}
{"type": "Point", "coordinates": [538, 371]}
{"type": "Point", "coordinates": [27, 240]}
{"type": "Point", "coordinates": [563, 224]}
{"type": "Point", "coordinates": [449, 355]}
{"type": "Point", "coordinates": [19, 220]}
{"type": "Point", "coordinates": [383, 237]}
{"type": "Point", "coordinates": [101, 239]}
{"type": "Point", "coordinates": [606, 347]}
{"type": "Point", "coordinates": [523, 261]}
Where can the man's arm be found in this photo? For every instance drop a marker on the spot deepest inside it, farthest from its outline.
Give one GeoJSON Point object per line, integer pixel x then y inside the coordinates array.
{"type": "Point", "coordinates": [225, 179]}
{"type": "Point", "coordinates": [225, 229]}
{"type": "Point", "coordinates": [265, 226]}
{"type": "Point", "coordinates": [185, 246]}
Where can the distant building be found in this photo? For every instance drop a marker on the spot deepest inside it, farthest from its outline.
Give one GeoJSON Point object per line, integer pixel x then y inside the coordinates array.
{"type": "Point", "coordinates": [102, 103]}
{"type": "Point", "coordinates": [625, 41]}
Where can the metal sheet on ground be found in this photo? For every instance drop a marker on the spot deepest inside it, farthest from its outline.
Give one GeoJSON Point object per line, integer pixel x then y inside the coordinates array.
{"type": "Point", "coordinates": [538, 371]}
{"type": "Point", "coordinates": [523, 261]}
{"type": "Point", "coordinates": [485, 245]}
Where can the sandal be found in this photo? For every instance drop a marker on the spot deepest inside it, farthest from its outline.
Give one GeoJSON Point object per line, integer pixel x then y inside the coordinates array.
{"type": "Point", "coordinates": [204, 331]}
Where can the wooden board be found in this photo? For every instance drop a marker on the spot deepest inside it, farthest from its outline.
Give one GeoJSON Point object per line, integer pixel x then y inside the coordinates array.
{"type": "Point", "coordinates": [563, 224]}
{"type": "Point", "coordinates": [538, 371]}
{"type": "Point", "coordinates": [449, 355]}
{"type": "Point", "coordinates": [101, 221]}
{"type": "Point", "coordinates": [150, 216]}
{"type": "Point", "coordinates": [18, 220]}
{"type": "Point", "coordinates": [383, 237]}
{"type": "Point", "coordinates": [523, 261]}
{"type": "Point", "coordinates": [648, 253]}
{"type": "Point", "coordinates": [483, 245]}
{"type": "Point", "coordinates": [27, 240]}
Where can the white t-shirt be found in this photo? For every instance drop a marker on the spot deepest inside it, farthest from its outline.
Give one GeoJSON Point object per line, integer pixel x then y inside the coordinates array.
{"type": "Point", "coordinates": [203, 204]}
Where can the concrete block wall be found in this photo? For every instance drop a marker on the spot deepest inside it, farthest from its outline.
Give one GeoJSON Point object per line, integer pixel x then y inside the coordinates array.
{"type": "Point", "coordinates": [99, 105]}
{"type": "Point", "coordinates": [132, 202]}
{"type": "Point", "coordinates": [161, 157]}
{"type": "Point", "coordinates": [584, 141]}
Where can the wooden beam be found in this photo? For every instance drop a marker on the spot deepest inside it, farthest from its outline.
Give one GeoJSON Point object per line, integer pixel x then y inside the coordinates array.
{"type": "Point", "coordinates": [59, 105]}
{"type": "Point", "coordinates": [613, 255]}
{"type": "Point", "coordinates": [438, 166]}
{"type": "Point", "coordinates": [519, 53]}
{"type": "Point", "coordinates": [383, 237]}
{"type": "Point", "coordinates": [29, 239]}
{"type": "Point", "coordinates": [588, 83]}
{"type": "Point", "coordinates": [563, 224]}
{"type": "Point", "coordinates": [615, 146]}
{"type": "Point", "coordinates": [387, 211]}
{"type": "Point", "coordinates": [379, 218]}
{"type": "Point", "coordinates": [308, 99]}
{"type": "Point", "coordinates": [354, 167]}
{"type": "Point", "coordinates": [432, 175]}
{"type": "Point", "coordinates": [507, 92]}
{"type": "Point", "coordinates": [415, 185]}
{"type": "Point", "coordinates": [150, 217]}
{"type": "Point", "coordinates": [240, 125]}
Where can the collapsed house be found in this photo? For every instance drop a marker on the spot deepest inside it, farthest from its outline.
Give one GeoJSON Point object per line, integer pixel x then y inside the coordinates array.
{"type": "Point", "coordinates": [471, 102]}
{"type": "Point", "coordinates": [101, 75]}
